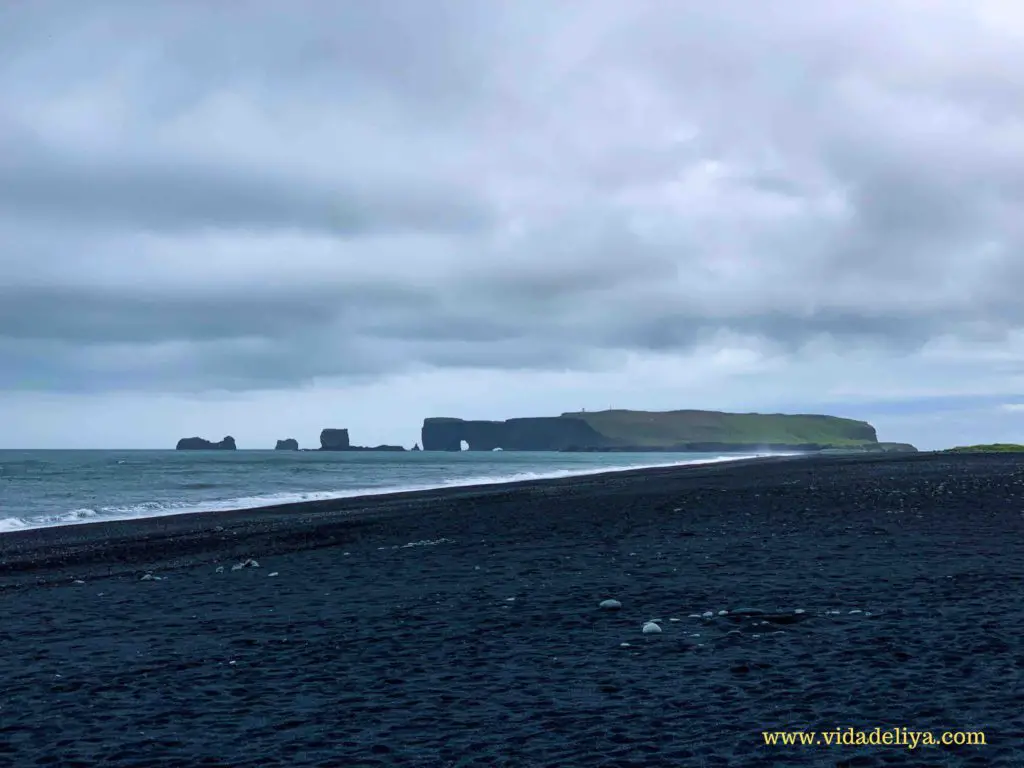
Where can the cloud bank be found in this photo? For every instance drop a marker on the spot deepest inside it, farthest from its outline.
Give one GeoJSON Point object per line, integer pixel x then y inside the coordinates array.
{"type": "Point", "coordinates": [536, 205]}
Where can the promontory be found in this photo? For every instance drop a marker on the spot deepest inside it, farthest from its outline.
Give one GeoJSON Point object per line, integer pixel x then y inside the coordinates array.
{"type": "Point", "coordinates": [682, 431]}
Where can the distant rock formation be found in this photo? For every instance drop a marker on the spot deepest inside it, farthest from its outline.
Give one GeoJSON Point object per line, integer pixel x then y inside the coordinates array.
{"type": "Point", "coordinates": [642, 431]}
{"type": "Point", "coordinates": [288, 444]}
{"type": "Point", "coordinates": [338, 440]}
{"type": "Point", "coordinates": [545, 433]}
{"type": "Point", "coordinates": [334, 440]}
{"type": "Point", "coordinates": [199, 444]}
{"type": "Point", "coordinates": [415, 447]}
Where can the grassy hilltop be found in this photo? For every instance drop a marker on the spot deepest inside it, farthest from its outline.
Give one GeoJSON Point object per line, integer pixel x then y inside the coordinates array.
{"type": "Point", "coordinates": [655, 429]}
{"type": "Point", "coordinates": [987, 448]}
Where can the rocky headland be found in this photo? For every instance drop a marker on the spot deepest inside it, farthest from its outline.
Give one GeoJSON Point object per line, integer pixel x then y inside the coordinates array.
{"type": "Point", "coordinates": [644, 431]}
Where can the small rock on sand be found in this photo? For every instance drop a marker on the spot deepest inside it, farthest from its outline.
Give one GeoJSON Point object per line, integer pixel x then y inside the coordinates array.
{"type": "Point", "coordinates": [610, 605]}
{"type": "Point", "coordinates": [650, 628]}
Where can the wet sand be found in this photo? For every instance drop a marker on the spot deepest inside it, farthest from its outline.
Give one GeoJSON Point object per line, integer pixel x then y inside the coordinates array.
{"type": "Point", "coordinates": [462, 627]}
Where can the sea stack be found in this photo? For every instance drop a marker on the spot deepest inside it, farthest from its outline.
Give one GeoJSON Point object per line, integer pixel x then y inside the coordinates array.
{"type": "Point", "coordinates": [199, 444]}
{"type": "Point", "coordinates": [288, 444]}
{"type": "Point", "coordinates": [334, 440]}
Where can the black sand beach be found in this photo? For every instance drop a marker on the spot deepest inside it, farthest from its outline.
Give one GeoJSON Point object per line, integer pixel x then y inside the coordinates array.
{"type": "Point", "coordinates": [462, 628]}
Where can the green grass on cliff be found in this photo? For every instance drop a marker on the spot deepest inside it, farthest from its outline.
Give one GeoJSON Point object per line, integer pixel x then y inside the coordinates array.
{"type": "Point", "coordinates": [987, 448]}
{"type": "Point", "coordinates": [655, 429]}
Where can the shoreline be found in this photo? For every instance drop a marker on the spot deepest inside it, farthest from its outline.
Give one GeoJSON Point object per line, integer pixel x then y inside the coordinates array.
{"type": "Point", "coordinates": [55, 554]}
{"type": "Point", "coordinates": [192, 537]}
{"type": "Point", "coordinates": [249, 502]}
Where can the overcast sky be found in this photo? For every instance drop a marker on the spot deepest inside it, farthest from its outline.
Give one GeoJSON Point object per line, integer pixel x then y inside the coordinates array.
{"type": "Point", "coordinates": [265, 218]}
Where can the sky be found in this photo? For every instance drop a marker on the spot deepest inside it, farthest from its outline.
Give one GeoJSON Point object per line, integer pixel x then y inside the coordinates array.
{"type": "Point", "coordinates": [264, 218]}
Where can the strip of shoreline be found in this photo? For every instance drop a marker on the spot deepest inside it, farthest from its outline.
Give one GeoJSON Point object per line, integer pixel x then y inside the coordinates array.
{"type": "Point", "coordinates": [106, 548]}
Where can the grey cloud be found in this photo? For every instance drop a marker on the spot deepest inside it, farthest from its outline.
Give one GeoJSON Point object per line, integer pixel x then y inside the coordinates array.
{"type": "Point", "coordinates": [98, 317]}
{"type": "Point", "coordinates": [185, 197]}
{"type": "Point", "coordinates": [592, 179]}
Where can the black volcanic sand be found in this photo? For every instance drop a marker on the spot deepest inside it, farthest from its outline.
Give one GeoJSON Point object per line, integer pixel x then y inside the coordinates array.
{"type": "Point", "coordinates": [487, 648]}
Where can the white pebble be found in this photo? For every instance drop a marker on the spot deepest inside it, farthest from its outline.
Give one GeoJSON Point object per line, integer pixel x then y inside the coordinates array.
{"type": "Point", "coordinates": [220, 569]}
{"type": "Point", "coordinates": [707, 614]}
{"type": "Point", "coordinates": [624, 645]}
{"type": "Point", "coordinates": [78, 581]}
{"type": "Point", "coordinates": [271, 575]}
{"type": "Point", "coordinates": [799, 610]}
{"type": "Point", "coordinates": [610, 605]}
{"type": "Point", "coordinates": [856, 610]}
{"type": "Point", "coordinates": [650, 628]}
{"type": "Point", "coordinates": [673, 619]}
{"type": "Point", "coordinates": [723, 613]}
{"type": "Point", "coordinates": [510, 599]}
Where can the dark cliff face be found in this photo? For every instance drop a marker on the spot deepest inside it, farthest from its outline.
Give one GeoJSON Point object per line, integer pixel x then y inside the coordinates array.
{"type": "Point", "coordinates": [199, 444]}
{"type": "Point", "coordinates": [548, 433]}
{"type": "Point", "coordinates": [334, 440]}
{"type": "Point", "coordinates": [288, 444]}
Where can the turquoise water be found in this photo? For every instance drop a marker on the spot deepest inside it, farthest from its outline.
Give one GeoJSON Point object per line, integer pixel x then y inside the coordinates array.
{"type": "Point", "coordinates": [48, 488]}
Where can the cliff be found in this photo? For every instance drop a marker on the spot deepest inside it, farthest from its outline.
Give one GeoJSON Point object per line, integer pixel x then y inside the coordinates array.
{"type": "Point", "coordinates": [334, 440]}
{"type": "Point", "coordinates": [199, 444]}
{"type": "Point", "coordinates": [623, 430]}
{"type": "Point", "coordinates": [288, 444]}
{"type": "Point", "coordinates": [545, 433]}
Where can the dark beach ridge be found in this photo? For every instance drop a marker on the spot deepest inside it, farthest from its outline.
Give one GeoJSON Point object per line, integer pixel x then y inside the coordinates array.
{"type": "Point", "coordinates": [462, 627]}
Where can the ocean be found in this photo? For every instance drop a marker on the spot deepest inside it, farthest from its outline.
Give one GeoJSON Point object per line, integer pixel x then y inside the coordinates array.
{"type": "Point", "coordinates": [41, 489]}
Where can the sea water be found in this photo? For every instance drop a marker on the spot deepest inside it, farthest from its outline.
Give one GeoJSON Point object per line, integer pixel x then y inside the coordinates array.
{"type": "Point", "coordinates": [49, 488]}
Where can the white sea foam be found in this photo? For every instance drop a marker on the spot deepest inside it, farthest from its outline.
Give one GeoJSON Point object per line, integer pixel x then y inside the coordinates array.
{"type": "Point", "coordinates": [163, 509]}
{"type": "Point", "coordinates": [47, 521]}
